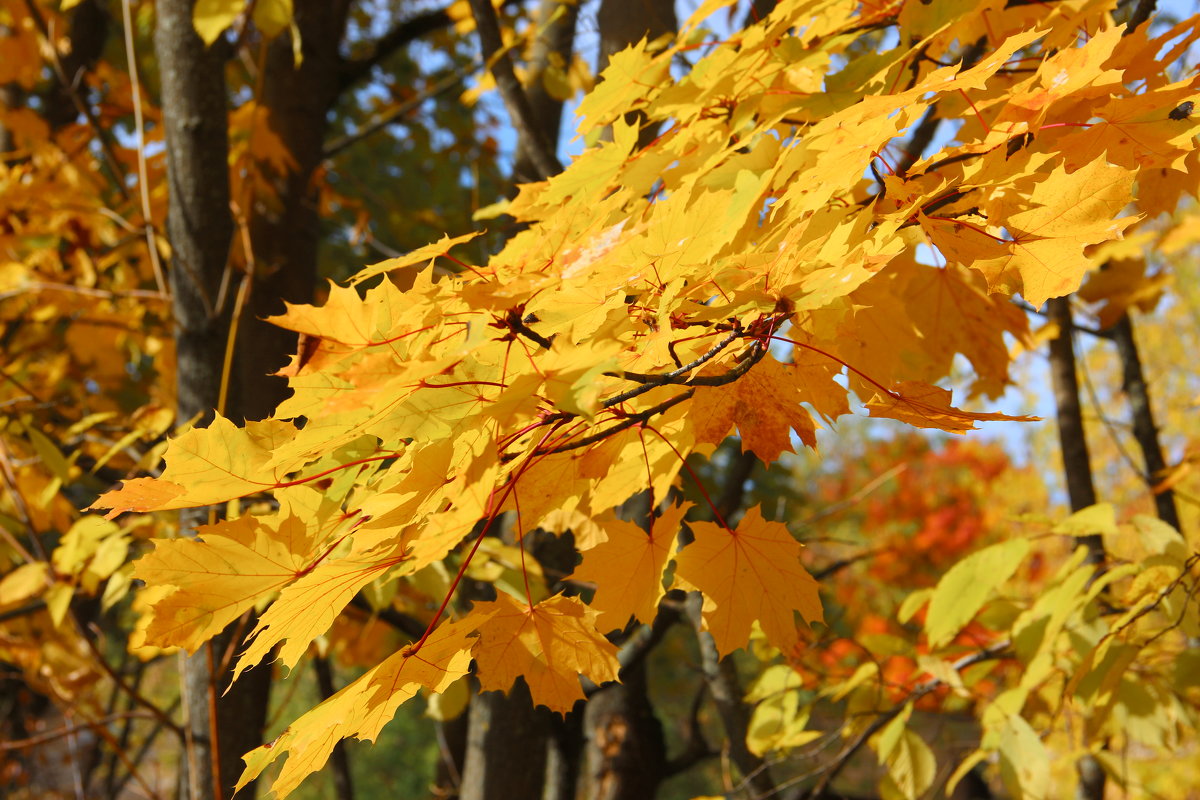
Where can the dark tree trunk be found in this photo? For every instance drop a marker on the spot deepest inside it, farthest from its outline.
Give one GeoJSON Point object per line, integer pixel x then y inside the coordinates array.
{"type": "Point", "coordinates": [285, 239]}
{"type": "Point", "coordinates": [626, 22]}
{"type": "Point", "coordinates": [1077, 468]}
{"type": "Point", "coordinates": [625, 750]}
{"type": "Point", "coordinates": [1077, 464]}
{"type": "Point", "coordinates": [506, 746]}
{"type": "Point", "coordinates": [221, 727]}
{"type": "Point", "coordinates": [1133, 382]}
{"type": "Point", "coordinates": [557, 41]}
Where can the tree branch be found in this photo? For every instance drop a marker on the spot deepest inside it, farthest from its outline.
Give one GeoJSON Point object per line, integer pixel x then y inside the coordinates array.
{"type": "Point", "coordinates": [393, 114]}
{"type": "Point", "coordinates": [402, 34]}
{"type": "Point", "coordinates": [540, 152]}
{"type": "Point", "coordinates": [820, 790]}
{"type": "Point", "coordinates": [1140, 14]}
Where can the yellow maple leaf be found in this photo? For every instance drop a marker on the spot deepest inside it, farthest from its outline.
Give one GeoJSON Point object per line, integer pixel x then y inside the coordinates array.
{"type": "Point", "coordinates": [213, 581]}
{"type": "Point", "coordinates": [628, 568]}
{"type": "Point", "coordinates": [215, 464]}
{"type": "Point", "coordinates": [365, 706]}
{"type": "Point", "coordinates": [750, 573]}
{"type": "Point", "coordinates": [307, 608]}
{"type": "Point", "coordinates": [1044, 257]}
{"type": "Point", "coordinates": [550, 644]}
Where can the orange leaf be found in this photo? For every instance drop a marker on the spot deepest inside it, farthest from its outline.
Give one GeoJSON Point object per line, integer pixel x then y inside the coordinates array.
{"type": "Point", "coordinates": [140, 494]}
{"type": "Point", "coordinates": [764, 404]}
{"type": "Point", "coordinates": [925, 406]}
{"type": "Point", "coordinates": [551, 644]}
{"type": "Point", "coordinates": [751, 573]}
{"type": "Point", "coordinates": [628, 568]}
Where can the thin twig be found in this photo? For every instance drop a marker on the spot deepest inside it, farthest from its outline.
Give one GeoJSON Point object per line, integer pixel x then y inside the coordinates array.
{"type": "Point", "coordinates": [130, 691]}
{"type": "Point", "coordinates": [67, 730]}
{"type": "Point", "coordinates": [676, 377]}
{"type": "Point", "coordinates": [140, 127]}
{"type": "Point", "coordinates": [386, 118]}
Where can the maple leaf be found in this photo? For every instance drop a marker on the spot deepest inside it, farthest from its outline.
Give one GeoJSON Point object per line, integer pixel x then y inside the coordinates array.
{"type": "Point", "coordinates": [307, 608]}
{"type": "Point", "coordinates": [211, 465]}
{"type": "Point", "coordinates": [628, 567]}
{"type": "Point", "coordinates": [551, 644]}
{"type": "Point", "coordinates": [962, 317]}
{"type": "Point", "coordinates": [924, 406]}
{"type": "Point", "coordinates": [365, 706]}
{"type": "Point", "coordinates": [764, 404]}
{"type": "Point", "coordinates": [1045, 256]}
{"type": "Point", "coordinates": [213, 580]}
{"type": "Point", "coordinates": [750, 573]}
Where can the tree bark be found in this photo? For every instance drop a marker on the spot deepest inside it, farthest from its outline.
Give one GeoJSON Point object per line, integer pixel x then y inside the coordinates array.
{"type": "Point", "coordinates": [285, 238]}
{"type": "Point", "coordinates": [556, 41]}
{"type": "Point", "coordinates": [1077, 468]}
{"type": "Point", "coordinates": [626, 22]}
{"type": "Point", "coordinates": [1133, 382]}
{"type": "Point", "coordinates": [506, 746]}
{"type": "Point", "coordinates": [199, 226]}
{"type": "Point", "coordinates": [625, 750]}
{"type": "Point", "coordinates": [1077, 463]}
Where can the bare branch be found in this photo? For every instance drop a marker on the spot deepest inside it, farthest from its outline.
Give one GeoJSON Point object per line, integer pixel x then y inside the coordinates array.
{"type": "Point", "coordinates": [540, 152]}
{"type": "Point", "coordinates": [402, 34]}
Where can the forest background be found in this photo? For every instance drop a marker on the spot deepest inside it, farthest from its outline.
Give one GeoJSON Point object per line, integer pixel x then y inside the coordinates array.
{"type": "Point", "coordinates": [173, 172]}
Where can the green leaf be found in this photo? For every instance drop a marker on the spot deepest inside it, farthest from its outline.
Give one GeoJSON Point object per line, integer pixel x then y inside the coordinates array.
{"type": "Point", "coordinates": [1099, 519]}
{"type": "Point", "coordinates": [911, 767]}
{"type": "Point", "coordinates": [966, 587]}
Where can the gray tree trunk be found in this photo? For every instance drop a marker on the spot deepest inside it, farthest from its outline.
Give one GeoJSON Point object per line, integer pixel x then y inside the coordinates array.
{"type": "Point", "coordinates": [221, 727]}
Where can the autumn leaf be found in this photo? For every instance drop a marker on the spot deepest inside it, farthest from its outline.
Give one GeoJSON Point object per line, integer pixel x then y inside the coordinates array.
{"type": "Point", "coordinates": [212, 580]}
{"type": "Point", "coordinates": [307, 608]}
{"type": "Point", "coordinates": [764, 404]}
{"type": "Point", "coordinates": [752, 573]}
{"type": "Point", "coordinates": [365, 706]}
{"type": "Point", "coordinates": [211, 465]}
{"type": "Point", "coordinates": [925, 406]}
{"type": "Point", "coordinates": [628, 567]}
{"type": "Point", "coordinates": [1044, 254]}
{"type": "Point", "coordinates": [966, 587]}
{"type": "Point", "coordinates": [551, 644]}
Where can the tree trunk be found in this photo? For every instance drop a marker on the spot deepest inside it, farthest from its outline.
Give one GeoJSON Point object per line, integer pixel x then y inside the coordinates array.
{"type": "Point", "coordinates": [1077, 468]}
{"type": "Point", "coordinates": [1077, 463]}
{"type": "Point", "coordinates": [1133, 383]}
{"type": "Point", "coordinates": [220, 727]}
{"type": "Point", "coordinates": [506, 746]}
{"type": "Point", "coordinates": [556, 42]}
{"type": "Point", "coordinates": [625, 750]}
{"type": "Point", "coordinates": [285, 238]}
